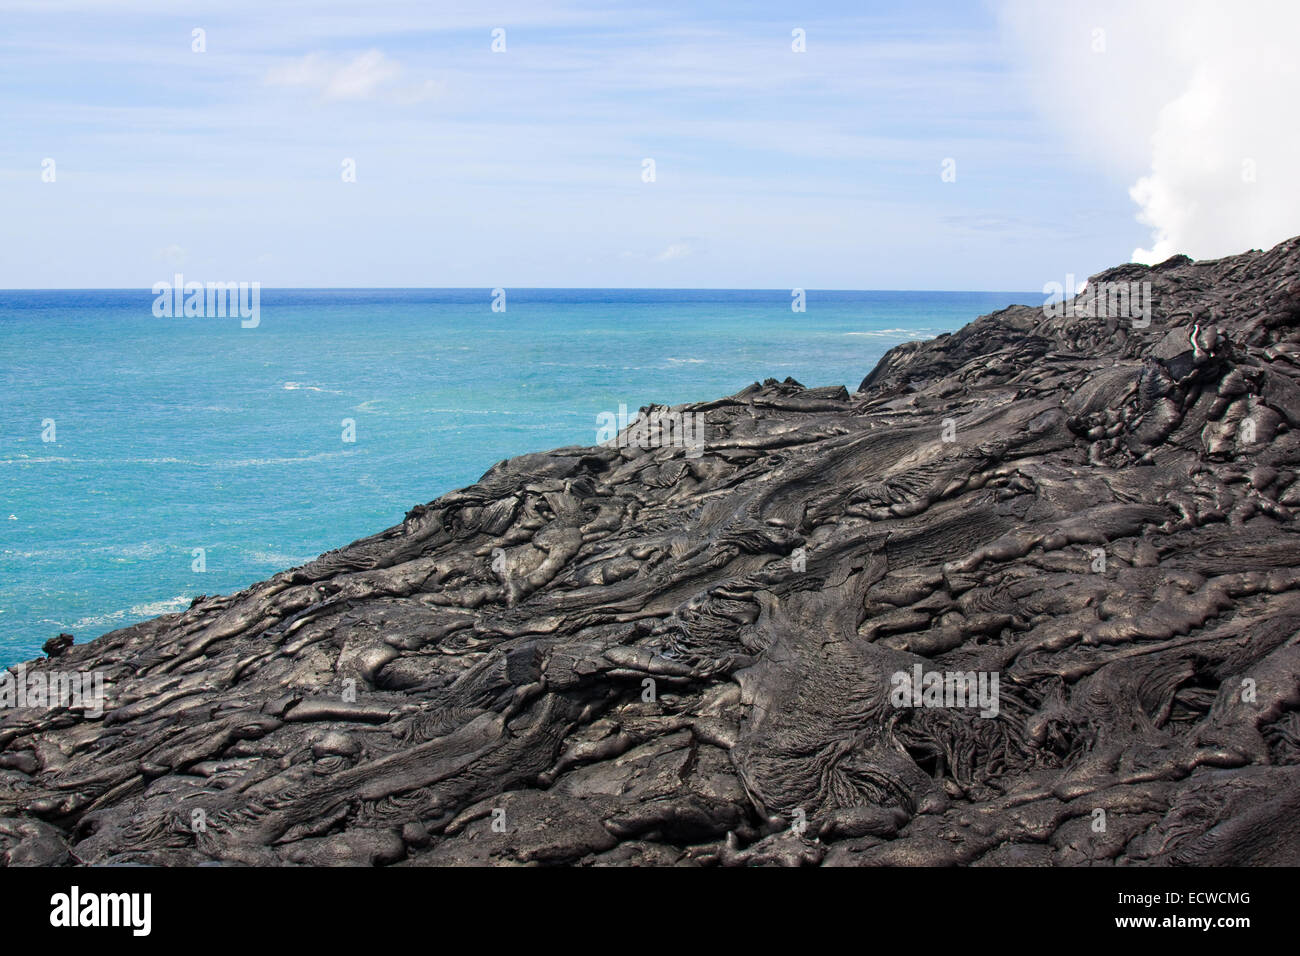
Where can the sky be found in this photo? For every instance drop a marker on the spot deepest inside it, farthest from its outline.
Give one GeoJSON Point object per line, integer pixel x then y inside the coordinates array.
{"type": "Point", "coordinates": [909, 145]}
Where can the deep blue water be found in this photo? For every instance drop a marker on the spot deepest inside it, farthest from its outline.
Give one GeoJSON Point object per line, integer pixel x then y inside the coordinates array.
{"type": "Point", "coordinates": [179, 433]}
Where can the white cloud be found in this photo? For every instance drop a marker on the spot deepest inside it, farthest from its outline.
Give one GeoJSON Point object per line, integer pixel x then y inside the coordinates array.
{"type": "Point", "coordinates": [364, 76]}
{"type": "Point", "coordinates": [676, 250]}
{"type": "Point", "coordinates": [1192, 101]}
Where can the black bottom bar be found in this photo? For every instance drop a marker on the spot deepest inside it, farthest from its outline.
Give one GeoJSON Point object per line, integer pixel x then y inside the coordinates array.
{"type": "Point", "coordinates": [208, 905]}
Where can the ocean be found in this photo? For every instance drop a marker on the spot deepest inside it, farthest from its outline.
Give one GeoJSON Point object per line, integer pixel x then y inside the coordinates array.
{"type": "Point", "coordinates": [147, 460]}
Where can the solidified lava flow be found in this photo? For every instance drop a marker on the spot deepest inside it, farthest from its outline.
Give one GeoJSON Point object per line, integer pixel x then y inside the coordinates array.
{"type": "Point", "coordinates": [658, 655]}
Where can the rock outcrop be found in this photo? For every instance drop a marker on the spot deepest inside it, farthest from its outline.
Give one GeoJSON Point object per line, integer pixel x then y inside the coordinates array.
{"type": "Point", "coordinates": [627, 655]}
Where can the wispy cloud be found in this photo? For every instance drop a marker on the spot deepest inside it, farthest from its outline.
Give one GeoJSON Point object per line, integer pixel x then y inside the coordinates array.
{"type": "Point", "coordinates": [524, 167]}
{"type": "Point", "coordinates": [676, 250]}
{"type": "Point", "coordinates": [361, 77]}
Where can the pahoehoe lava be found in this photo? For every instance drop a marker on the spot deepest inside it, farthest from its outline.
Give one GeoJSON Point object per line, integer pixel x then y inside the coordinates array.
{"type": "Point", "coordinates": [625, 655]}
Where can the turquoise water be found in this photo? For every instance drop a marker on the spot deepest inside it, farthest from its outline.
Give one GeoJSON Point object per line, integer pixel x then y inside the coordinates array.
{"type": "Point", "coordinates": [173, 434]}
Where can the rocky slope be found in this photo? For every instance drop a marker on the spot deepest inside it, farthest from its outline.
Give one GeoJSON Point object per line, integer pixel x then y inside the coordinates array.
{"type": "Point", "coordinates": [625, 655]}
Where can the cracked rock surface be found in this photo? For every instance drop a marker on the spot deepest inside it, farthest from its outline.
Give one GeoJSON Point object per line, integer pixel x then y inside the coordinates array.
{"type": "Point", "coordinates": [640, 656]}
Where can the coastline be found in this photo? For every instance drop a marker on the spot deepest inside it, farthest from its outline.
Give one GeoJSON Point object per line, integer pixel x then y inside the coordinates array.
{"type": "Point", "coordinates": [627, 654]}
{"type": "Point", "coordinates": [153, 415]}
